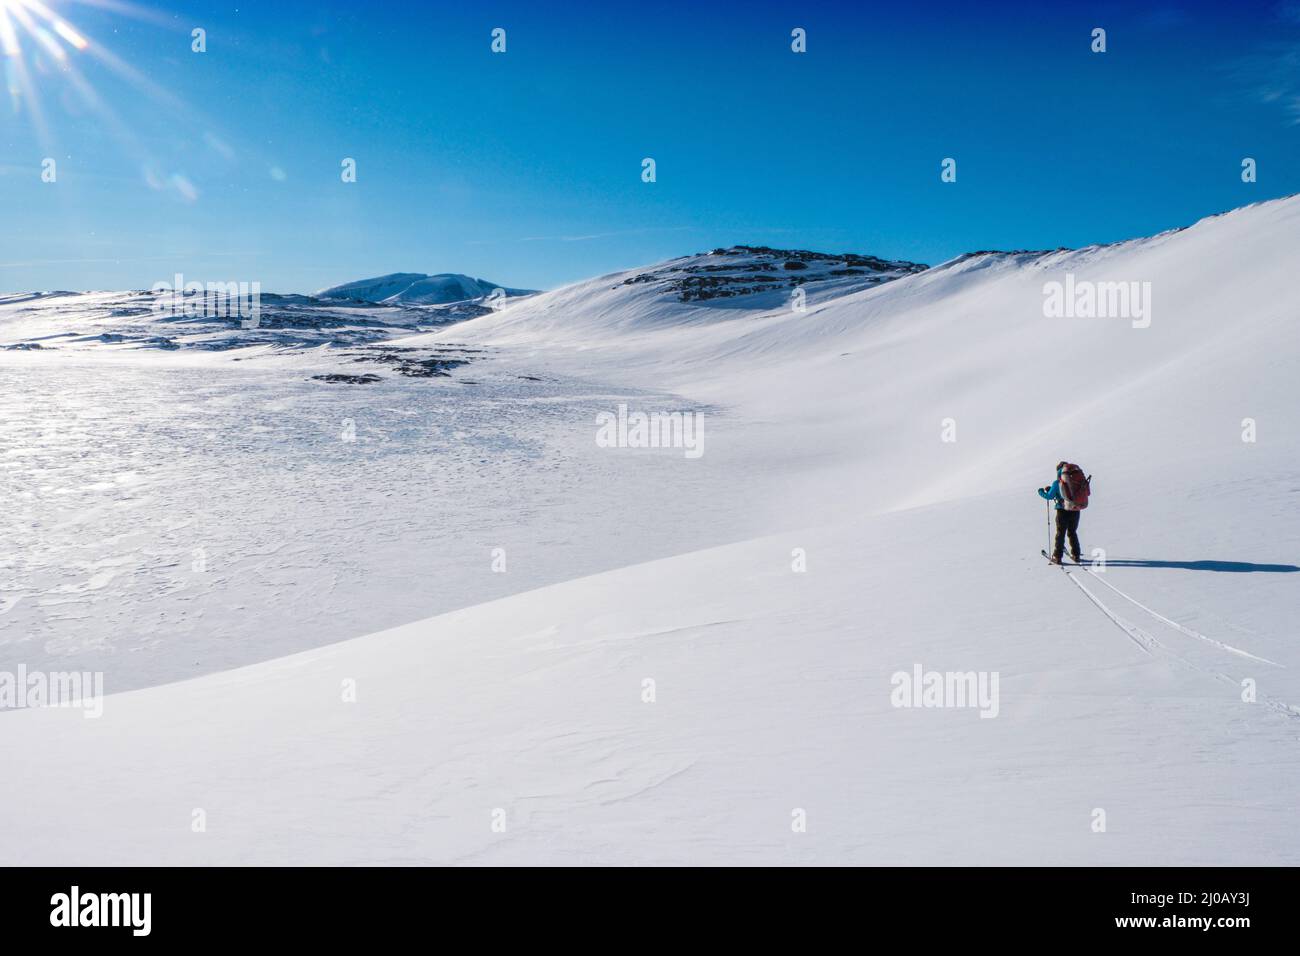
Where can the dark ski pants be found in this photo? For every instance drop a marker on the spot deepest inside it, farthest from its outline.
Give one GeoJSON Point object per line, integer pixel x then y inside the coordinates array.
{"type": "Point", "coordinates": [1067, 522]}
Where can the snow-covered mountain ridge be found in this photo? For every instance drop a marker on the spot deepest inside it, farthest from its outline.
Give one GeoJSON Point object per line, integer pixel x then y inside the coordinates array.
{"type": "Point", "coordinates": [374, 311]}
{"type": "Point", "coordinates": [416, 288]}
{"type": "Point", "coordinates": [746, 271]}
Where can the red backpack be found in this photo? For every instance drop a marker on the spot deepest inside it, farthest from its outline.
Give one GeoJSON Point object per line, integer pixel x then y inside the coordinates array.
{"type": "Point", "coordinates": [1074, 488]}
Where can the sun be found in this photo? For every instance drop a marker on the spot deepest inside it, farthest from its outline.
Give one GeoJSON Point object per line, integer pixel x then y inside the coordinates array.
{"type": "Point", "coordinates": [39, 46]}
{"type": "Point", "coordinates": [36, 41]}
{"type": "Point", "coordinates": [43, 55]}
{"type": "Point", "coordinates": [41, 25]}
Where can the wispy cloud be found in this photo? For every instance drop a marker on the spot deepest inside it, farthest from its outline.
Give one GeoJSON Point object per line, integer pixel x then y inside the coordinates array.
{"type": "Point", "coordinates": [1272, 75]}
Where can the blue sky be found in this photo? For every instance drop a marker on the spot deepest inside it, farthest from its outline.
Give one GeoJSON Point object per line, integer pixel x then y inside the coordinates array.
{"type": "Point", "coordinates": [524, 167]}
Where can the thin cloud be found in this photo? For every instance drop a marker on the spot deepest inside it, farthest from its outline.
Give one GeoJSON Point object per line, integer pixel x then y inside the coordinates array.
{"type": "Point", "coordinates": [1272, 75]}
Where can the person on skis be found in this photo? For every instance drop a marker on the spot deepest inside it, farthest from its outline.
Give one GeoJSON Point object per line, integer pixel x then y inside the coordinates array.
{"type": "Point", "coordinates": [1070, 492]}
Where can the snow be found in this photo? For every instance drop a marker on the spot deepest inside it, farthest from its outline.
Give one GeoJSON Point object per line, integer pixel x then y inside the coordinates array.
{"type": "Point", "coordinates": [524, 692]}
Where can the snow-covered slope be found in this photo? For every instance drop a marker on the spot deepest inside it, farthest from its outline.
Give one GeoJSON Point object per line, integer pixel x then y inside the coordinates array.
{"type": "Point", "coordinates": [416, 288]}
{"type": "Point", "coordinates": [690, 709]}
{"type": "Point", "coordinates": [771, 696]}
{"type": "Point", "coordinates": [725, 284]}
{"type": "Point", "coordinates": [867, 379]}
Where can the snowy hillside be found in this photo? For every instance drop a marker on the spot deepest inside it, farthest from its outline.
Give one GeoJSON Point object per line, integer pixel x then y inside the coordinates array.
{"type": "Point", "coordinates": [415, 288]}
{"type": "Point", "coordinates": [750, 272]}
{"type": "Point", "coordinates": [564, 652]}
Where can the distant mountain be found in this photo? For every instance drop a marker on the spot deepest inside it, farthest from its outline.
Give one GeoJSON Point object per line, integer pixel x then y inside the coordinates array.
{"type": "Point", "coordinates": [416, 288]}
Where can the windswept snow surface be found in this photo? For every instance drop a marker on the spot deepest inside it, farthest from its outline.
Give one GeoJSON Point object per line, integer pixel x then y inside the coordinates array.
{"type": "Point", "coordinates": [652, 681]}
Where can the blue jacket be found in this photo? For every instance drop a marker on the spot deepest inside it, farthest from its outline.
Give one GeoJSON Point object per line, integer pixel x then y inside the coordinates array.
{"type": "Point", "coordinates": [1054, 493]}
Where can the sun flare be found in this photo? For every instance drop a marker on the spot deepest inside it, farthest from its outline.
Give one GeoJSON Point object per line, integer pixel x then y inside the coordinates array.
{"type": "Point", "coordinates": [38, 24]}
{"type": "Point", "coordinates": [45, 55]}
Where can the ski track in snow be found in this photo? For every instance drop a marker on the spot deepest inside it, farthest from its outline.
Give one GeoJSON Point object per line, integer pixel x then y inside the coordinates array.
{"type": "Point", "coordinates": [1138, 636]}
{"type": "Point", "coordinates": [1183, 628]}
{"type": "Point", "coordinates": [1149, 643]}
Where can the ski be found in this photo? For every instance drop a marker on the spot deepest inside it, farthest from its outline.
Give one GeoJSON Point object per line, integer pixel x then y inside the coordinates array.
{"type": "Point", "coordinates": [1077, 564]}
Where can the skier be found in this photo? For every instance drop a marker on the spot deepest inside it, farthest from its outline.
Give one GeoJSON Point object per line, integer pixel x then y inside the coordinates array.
{"type": "Point", "coordinates": [1070, 492]}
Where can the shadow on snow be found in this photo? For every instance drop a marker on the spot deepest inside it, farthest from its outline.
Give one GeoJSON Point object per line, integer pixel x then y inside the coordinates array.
{"type": "Point", "coordinates": [1236, 566]}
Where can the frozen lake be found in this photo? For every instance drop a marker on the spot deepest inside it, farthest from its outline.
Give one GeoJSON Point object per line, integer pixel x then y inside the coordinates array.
{"type": "Point", "coordinates": [167, 518]}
